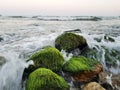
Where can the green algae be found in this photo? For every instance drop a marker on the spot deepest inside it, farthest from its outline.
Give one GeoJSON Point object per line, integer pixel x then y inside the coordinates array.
{"type": "Point", "coordinates": [49, 57]}
{"type": "Point", "coordinates": [69, 42]}
{"type": "Point", "coordinates": [45, 79]}
{"type": "Point", "coordinates": [79, 64]}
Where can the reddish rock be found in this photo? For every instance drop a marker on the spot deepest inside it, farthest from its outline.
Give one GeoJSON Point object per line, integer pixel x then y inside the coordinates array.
{"type": "Point", "coordinates": [87, 76]}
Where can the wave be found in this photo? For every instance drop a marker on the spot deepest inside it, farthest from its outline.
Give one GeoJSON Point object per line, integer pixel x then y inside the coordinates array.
{"type": "Point", "coordinates": [17, 16]}
{"type": "Point", "coordinates": [67, 18]}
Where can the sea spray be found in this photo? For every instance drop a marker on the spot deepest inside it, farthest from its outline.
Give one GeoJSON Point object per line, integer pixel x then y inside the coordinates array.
{"type": "Point", "coordinates": [12, 71]}
{"type": "Point", "coordinates": [106, 52]}
{"type": "Point", "coordinates": [66, 55]}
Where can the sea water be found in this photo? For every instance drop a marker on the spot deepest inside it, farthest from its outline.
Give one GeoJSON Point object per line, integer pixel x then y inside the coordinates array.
{"type": "Point", "coordinates": [21, 36]}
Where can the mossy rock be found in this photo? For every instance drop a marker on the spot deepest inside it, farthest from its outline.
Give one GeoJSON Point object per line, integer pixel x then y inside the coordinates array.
{"type": "Point", "coordinates": [79, 64]}
{"type": "Point", "coordinates": [49, 57]}
{"type": "Point", "coordinates": [111, 56]}
{"type": "Point", "coordinates": [45, 79]}
{"type": "Point", "coordinates": [69, 42]}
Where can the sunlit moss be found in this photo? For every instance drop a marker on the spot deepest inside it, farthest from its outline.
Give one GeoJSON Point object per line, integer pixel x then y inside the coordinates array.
{"type": "Point", "coordinates": [79, 64]}
{"type": "Point", "coordinates": [49, 57]}
{"type": "Point", "coordinates": [45, 79]}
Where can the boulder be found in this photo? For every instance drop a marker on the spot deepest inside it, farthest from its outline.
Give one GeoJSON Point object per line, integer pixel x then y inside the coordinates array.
{"type": "Point", "coordinates": [70, 41]}
{"type": "Point", "coordinates": [49, 57]}
{"type": "Point", "coordinates": [83, 69]}
{"type": "Point", "coordinates": [93, 86]}
{"type": "Point", "coordinates": [45, 79]}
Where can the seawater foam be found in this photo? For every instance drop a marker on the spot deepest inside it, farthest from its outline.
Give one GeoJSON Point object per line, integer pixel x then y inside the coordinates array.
{"type": "Point", "coordinates": [12, 71]}
{"type": "Point", "coordinates": [66, 55]}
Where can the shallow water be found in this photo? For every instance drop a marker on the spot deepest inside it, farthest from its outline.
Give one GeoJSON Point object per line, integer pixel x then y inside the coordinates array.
{"type": "Point", "coordinates": [22, 36]}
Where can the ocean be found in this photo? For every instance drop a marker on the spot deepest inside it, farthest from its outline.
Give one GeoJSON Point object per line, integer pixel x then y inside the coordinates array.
{"type": "Point", "coordinates": [22, 35]}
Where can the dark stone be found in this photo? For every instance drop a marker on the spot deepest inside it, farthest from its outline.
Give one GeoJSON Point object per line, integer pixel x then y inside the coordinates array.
{"type": "Point", "coordinates": [76, 31]}
{"type": "Point", "coordinates": [108, 38]}
{"type": "Point", "coordinates": [2, 60]}
{"type": "Point", "coordinates": [1, 39]}
{"type": "Point", "coordinates": [107, 86]}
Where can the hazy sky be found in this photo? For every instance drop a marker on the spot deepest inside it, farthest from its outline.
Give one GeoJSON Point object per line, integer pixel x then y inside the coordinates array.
{"type": "Point", "coordinates": [60, 7]}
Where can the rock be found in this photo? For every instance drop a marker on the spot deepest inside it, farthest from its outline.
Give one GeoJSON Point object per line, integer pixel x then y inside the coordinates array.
{"type": "Point", "coordinates": [83, 69]}
{"type": "Point", "coordinates": [48, 57]}
{"type": "Point", "coordinates": [45, 79]}
{"type": "Point", "coordinates": [102, 77]}
{"type": "Point", "coordinates": [2, 60]}
{"type": "Point", "coordinates": [98, 39]}
{"type": "Point", "coordinates": [107, 86]}
{"type": "Point", "coordinates": [1, 39]}
{"type": "Point", "coordinates": [112, 57]}
{"type": "Point", "coordinates": [90, 53]}
{"type": "Point", "coordinates": [69, 42]}
{"type": "Point", "coordinates": [116, 81]}
{"type": "Point", "coordinates": [93, 86]}
{"type": "Point", "coordinates": [89, 19]}
{"type": "Point", "coordinates": [74, 31]}
{"type": "Point", "coordinates": [96, 18]}
{"type": "Point", "coordinates": [108, 38]}
{"type": "Point", "coordinates": [112, 83]}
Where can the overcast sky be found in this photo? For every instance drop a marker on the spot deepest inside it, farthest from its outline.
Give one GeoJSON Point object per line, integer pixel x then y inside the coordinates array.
{"type": "Point", "coordinates": [60, 7]}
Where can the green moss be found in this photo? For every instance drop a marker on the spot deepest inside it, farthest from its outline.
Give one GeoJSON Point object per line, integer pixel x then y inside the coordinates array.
{"type": "Point", "coordinates": [48, 57]}
{"type": "Point", "coordinates": [79, 64]}
{"type": "Point", "coordinates": [70, 41]}
{"type": "Point", "coordinates": [45, 79]}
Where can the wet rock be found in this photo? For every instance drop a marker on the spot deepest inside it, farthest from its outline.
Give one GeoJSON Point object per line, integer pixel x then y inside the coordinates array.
{"type": "Point", "coordinates": [108, 38]}
{"type": "Point", "coordinates": [109, 81]}
{"type": "Point", "coordinates": [93, 86]}
{"type": "Point", "coordinates": [83, 69]}
{"type": "Point", "coordinates": [116, 81]}
{"type": "Point", "coordinates": [45, 79]}
{"type": "Point", "coordinates": [74, 31]}
{"type": "Point", "coordinates": [70, 41]}
{"type": "Point", "coordinates": [90, 53]}
{"type": "Point", "coordinates": [2, 60]}
{"type": "Point", "coordinates": [1, 39]}
{"type": "Point", "coordinates": [107, 86]}
{"type": "Point", "coordinates": [102, 77]}
{"type": "Point", "coordinates": [90, 75]}
{"type": "Point", "coordinates": [112, 56]}
{"type": "Point", "coordinates": [89, 19]}
{"type": "Point", "coordinates": [98, 39]}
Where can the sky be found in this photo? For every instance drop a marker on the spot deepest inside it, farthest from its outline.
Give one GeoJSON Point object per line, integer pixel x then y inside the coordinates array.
{"type": "Point", "coordinates": [60, 7]}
